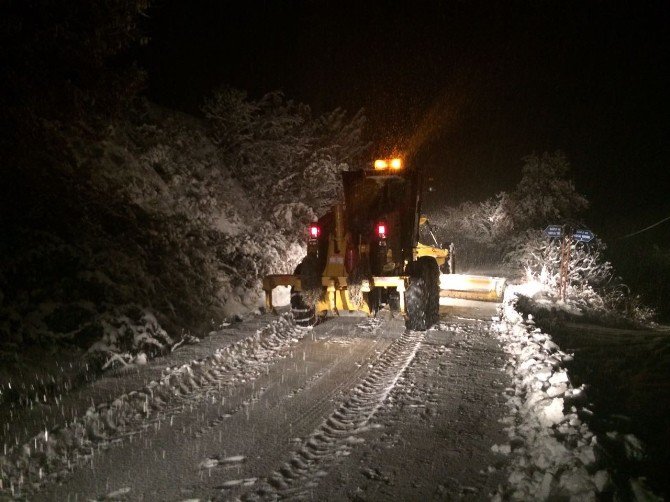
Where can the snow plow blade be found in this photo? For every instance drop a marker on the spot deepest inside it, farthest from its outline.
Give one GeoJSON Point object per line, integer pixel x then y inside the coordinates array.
{"type": "Point", "coordinates": [472, 287]}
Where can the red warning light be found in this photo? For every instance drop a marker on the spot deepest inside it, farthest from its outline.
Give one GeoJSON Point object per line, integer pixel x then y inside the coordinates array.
{"type": "Point", "coordinates": [381, 230]}
{"type": "Point", "coordinates": [314, 231]}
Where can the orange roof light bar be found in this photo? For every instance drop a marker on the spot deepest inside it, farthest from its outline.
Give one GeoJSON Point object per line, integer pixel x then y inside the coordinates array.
{"type": "Point", "coordinates": [381, 164]}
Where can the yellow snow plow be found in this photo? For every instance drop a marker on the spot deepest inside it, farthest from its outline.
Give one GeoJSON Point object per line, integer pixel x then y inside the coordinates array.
{"type": "Point", "coordinates": [366, 253]}
{"type": "Point", "coordinates": [472, 287]}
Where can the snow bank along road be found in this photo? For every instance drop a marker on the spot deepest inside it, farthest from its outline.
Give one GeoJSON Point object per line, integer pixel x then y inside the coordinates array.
{"type": "Point", "coordinates": [353, 409]}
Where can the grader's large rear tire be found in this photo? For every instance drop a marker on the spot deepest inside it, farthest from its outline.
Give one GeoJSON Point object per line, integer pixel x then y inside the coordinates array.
{"type": "Point", "coordinates": [303, 314]}
{"type": "Point", "coordinates": [302, 302]}
{"type": "Point", "coordinates": [422, 298]}
{"type": "Point", "coordinates": [415, 303]}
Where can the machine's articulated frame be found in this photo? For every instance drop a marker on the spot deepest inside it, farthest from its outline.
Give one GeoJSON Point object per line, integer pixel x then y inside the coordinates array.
{"type": "Point", "coordinates": [336, 297]}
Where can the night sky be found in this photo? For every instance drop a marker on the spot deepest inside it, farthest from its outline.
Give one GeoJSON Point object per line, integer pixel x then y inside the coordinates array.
{"type": "Point", "coordinates": [469, 88]}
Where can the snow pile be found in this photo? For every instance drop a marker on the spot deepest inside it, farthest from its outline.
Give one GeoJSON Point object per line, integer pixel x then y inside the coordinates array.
{"type": "Point", "coordinates": [616, 365]}
{"type": "Point", "coordinates": [50, 455]}
{"type": "Point", "coordinates": [553, 454]}
{"type": "Point", "coordinates": [125, 341]}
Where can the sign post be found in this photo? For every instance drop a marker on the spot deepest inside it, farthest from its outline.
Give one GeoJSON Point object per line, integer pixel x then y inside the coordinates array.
{"type": "Point", "coordinates": [567, 237]}
{"type": "Point", "coordinates": [566, 248]}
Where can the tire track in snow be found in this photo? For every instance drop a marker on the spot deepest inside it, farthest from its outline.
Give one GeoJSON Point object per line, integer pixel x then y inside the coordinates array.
{"type": "Point", "coordinates": [316, 408]}
{"type": "Point", "coordinates": [370, 325]}
{"type": "Point", "coordinates": [301, 389]}
{"type": "Point", "coordinates": [328, 386]}
{"type": "Point", "coordinates": [439, 423]}
{"type": "Point", "coordinates": [337, 434]}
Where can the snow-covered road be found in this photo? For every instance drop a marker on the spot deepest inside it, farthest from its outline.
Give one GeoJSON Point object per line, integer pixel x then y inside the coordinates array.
{"type": "Point", "coordinates": [353, 408]}
{"type": "Point", "coordinates": [230, 433]}
{"type": "Point", "coordinates": [432, 438]}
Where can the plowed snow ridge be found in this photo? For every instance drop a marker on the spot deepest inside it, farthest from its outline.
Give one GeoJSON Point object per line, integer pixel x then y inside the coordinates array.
{"type": "Point", "coordinates": [51, 455]}
{"type": "Point", "coordinates": [552, 452]}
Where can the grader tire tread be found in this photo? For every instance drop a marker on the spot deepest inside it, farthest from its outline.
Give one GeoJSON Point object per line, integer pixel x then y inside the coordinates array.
{"type": "Point", "coordinates": [304, 314]}
{"type": "Point", "coordinates": [422, 298]}
{"type": "Point", "coordinates": [431, 276]}
{"type": "Point", "coordinates": [415, 303]}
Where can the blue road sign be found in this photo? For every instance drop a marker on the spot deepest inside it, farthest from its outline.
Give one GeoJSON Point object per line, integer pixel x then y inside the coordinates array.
{"type": "Point", "coordinates": [583, 235]}
{"type": "Point", "coordinates": [554, 231]}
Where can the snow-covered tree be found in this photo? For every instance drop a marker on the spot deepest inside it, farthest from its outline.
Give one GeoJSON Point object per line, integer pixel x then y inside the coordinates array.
{"type": "Point", "coordinates": [591, 282]}
{"type": "Point", "coordinates": [540, 258]}
{"type": "Point", "coordinates": [486, 231]}
{"type": "Point", "coordinates": [279, 151]}
{"type": "Point", "coordinates": [170, 222]}
{"type": "Point", "coordinates": [545, 194]}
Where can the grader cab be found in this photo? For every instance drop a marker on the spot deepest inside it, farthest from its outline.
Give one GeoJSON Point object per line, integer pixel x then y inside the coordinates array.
{"type": "Point", "coordinates": [365, 253]}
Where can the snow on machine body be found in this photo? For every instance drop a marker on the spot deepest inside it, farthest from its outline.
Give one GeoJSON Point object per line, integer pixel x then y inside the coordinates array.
{"type": "Point", "coordinates": [365, 253]}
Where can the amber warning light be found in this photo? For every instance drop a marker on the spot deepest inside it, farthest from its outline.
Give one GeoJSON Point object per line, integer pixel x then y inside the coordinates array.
{"type": "Point", "coordinates": [383, 164]}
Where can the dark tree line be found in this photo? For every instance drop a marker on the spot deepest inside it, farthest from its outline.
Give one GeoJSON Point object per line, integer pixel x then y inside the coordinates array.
{"type": "Point", "coordinates": [66, 64]}
{"type": "Point", "coordinates": [126, 225]}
